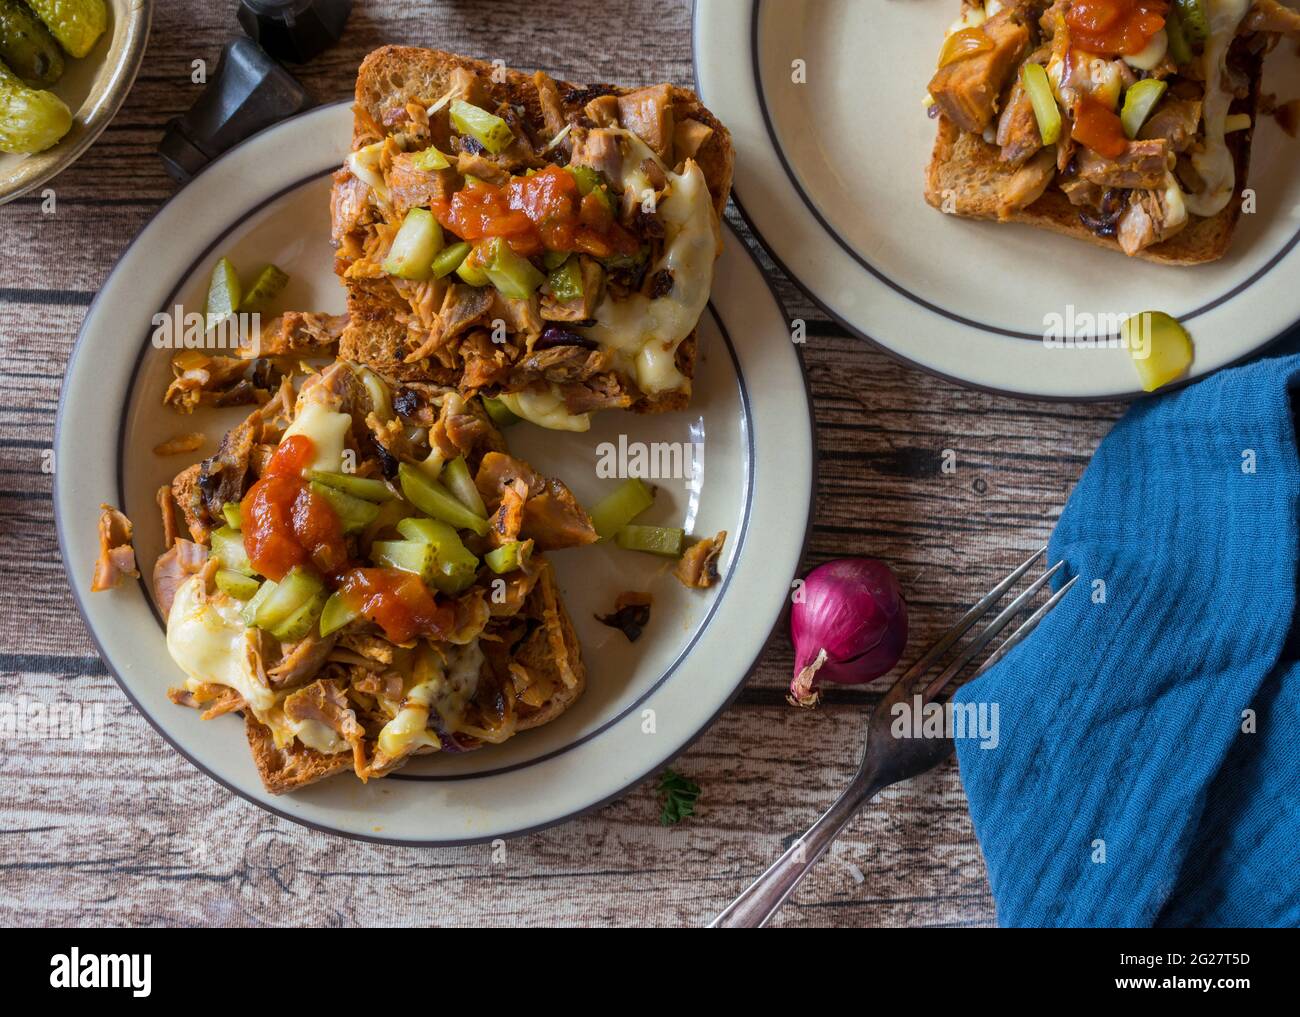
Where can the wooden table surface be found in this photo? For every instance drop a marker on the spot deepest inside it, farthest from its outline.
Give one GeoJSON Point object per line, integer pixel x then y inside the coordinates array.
{"type": "Point", "coordinates": [132, 834]}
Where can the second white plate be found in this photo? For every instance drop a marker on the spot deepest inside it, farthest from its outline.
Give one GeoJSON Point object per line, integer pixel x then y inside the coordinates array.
{"type": "Point", "coordinates": [823, 98]}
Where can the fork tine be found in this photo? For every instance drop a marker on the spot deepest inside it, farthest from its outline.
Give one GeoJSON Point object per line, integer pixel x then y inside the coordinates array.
{"type": "Point", "coordinates": [992, 629]}
{"type": "Point", "coordinates": [1026, 627]}
{"type": "Point", "coordinates": [941, 645]}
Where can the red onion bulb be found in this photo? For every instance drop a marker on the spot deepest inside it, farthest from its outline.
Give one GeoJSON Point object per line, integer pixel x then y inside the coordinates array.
{"type": "Point", "coordinates": [848, 624]}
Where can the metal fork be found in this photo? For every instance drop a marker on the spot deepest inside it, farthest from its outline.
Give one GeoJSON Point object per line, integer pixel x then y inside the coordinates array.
{"type": "Point", "coordinates": [888, 759]}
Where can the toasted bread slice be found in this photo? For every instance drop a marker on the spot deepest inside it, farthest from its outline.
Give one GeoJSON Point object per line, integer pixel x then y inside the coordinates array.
{"type": "Point", "coordinates": [552, 653]}
{"type": "Point", "coordinates": [966, 173]}
{"type": "Point", "coordinates": [392, 76]}
{"type": "Point", "coordinates": [290, 768]}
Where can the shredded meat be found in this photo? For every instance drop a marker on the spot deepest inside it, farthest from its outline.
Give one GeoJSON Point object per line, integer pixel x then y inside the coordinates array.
{"type": "Point", "coordinates": [1146, 222]}
{"type": "Point", "coordinates": [548, 99]}
{"type": "Point", "coordinates": [689, 136]}
{"type": "Point", "coordinates": [182, 560]}
{"type": "Point", "coordinates": [582, 307]}
{"type": "Point", "coordinates": [411, 187]}
{"type": "Point", "coordinates": [116, 559]}
{"type": "Point", "coordinates": [349, 205]}
{"type": "Point", "coordinates": [552, 517]}
{"type": "Point", "coordinates": [300, 661]}
{"type": "Point", "coordinates": [1018, 134]}
{"type": "Point", "coordinates": [1271, 16]}
{"type": "Point", "coordinates": [698, 567]}
{"type": "Point", "coordinates": [298, 334]}
{"type": "Point", "coordinates": [1022, 188]}
{"type": "Point", "coordinates": [1143, 165]}
{"type": "Point", "coordinates": [967, 91]}
{"type": "Point", "coordinates": [598, 149]}
{"type": "Point", "coordinates": [648, 113]}
{"type": "Point", "coordinates": [1176, 121]}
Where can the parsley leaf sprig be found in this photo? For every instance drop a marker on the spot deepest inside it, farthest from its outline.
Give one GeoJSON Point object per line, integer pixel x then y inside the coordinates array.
{"type": "Point", "coordinates": [679, 797]}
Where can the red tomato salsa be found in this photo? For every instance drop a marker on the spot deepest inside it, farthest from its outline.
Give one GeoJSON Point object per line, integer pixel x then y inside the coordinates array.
{"type": "Point", "coordinates": [284, 523]}
{"type": "Point", "coordinates": [398, 602]}
{"type": "Point", "coordinates": [1115, 27]}
{"type": "Point", "coordinates": [543, 212]}
{"type": "Point", "coordinates": [1099, 129]}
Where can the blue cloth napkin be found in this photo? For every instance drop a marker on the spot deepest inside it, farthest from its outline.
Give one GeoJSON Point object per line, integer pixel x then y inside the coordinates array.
{"type": "Point", "coordinates": [1123, 790]}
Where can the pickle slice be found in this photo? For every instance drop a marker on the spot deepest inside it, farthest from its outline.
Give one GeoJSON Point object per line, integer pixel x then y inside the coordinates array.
{"type": "Point", "coordinates": [224, 292]}
{"type": "Point", "coordinates": [1194, 19]}
{"type": "Point", "coordinates": [77, 24]}
{"type": "Point", "coordinates": [270, 283]}
{"type": "Point", "coordinates": [27, 46]}
{"type": "Point", "coordinates": [30, 120]}
{"type": "Point", "coordinates": [1160, 347]}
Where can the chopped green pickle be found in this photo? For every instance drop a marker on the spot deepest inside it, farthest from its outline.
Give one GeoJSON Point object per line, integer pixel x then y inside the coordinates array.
{"type": "Point", "coordinates": [565, 283]}
{"type": "Point", "coordinates": [355, 514]}
{"type": "Point", "coordinates": [488, 129]}
{"type": "Point", "coordinates": [616, 510]}
{"type": "Point", "coordinates": [449, 259]}
{"type": "Point", "coordinates": [366, 488]}
{"type": "Point", "coordinates": [283, 609]}
{"type": "Point", "coordinates": [228, 548]}
{"type": "Point", "coordinates": [298, 624]}
{"type": "Point", "coordinates": [662, 540]}
{"type": "Point", "coordinates": [433, 499]}
{"type": "Point", "coordinates": [249, 613]}
{"type": "Point", "coordinates": [1160, 347]}
{"type": "Point", "coordinates": [588, 179]}
{"type": "Point", "coordinates": [336, 614]}
{"type": "Point", "coordinates": [430, 160]}
{"type": "Point", "coordinates": [1034, 79]}
{"type": "Point", "coordinates": [1196, 23]}
{"type": "Point", "coordinates": [511, 273]}
{"type": "Point", "coordinates": [456, 565]}
{"type": "Point", "coordinates": [268, 285]}
{"type": "Point", "coordinates": [238, 585]}
{"type": "Point", "coordinates": [456, 476]}
{"type": "Point", "coordinates": [1139, 101]}
{"type": "Point", "coordinates": [234, 515]}
{"type": "Point", "coordinates": [1180, 50]}
{"type": "Point", "coordinates": [471, 269]}
{"type": "Point", "coordinates": [30, 120]}
{"type": "Point", "coordinates": [224, 292]}
{"type": "Point", "coordinates": [77, 24]}
{"type": "Point", "coordinates": [499, 412]}
{"type": "Point", "coordinates": [507, 557]}
{"type": "Point", "coordinates": [552, 260]}
{"type": "Point", "coordinates": [27, 46]}
{"type": "Point", "coordinates": [417, 242]}
{"type": "Point", "coordinates": [408, 555]}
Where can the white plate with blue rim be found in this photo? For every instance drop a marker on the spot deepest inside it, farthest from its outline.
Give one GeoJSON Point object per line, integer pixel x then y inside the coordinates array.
{"type": "Point", "coordinates": [268, 201]}
{"type": "Point", "coordinates": [823, 101]}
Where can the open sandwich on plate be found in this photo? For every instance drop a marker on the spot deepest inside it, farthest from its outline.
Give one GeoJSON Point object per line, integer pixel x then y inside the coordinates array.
{"type": "Point", "coordinates": [545, 243]}
{"type": "Point", "coordinates": [366, 585]}
{"type": "Point", "coordinates": [1126, 123]}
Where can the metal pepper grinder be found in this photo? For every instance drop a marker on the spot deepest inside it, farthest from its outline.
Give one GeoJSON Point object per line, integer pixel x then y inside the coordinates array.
{"type": "Point", "coordinates": [294, 30]}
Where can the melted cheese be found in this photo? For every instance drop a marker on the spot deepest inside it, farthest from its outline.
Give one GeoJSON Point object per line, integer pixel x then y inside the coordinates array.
{"type": "Point", "coordinates": [545, 409]}
{"type": "Point", "coordinates": [327, 431]}
{"type": "Point", "coordinates": [1213, 163]}
{"type": "Point", "coordinates": [208, 640]}
{"type": "Point", "coordinates": [441, 689]}
{"type": "Point", "coordinates": [644, 331]}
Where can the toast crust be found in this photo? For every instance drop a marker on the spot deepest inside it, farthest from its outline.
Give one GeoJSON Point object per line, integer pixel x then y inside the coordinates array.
{"type": "Point", "coordinates": [966, 170]}
{"type": "Point", "coordinates": [559, 662]}
{"type": "Point", "coordinates": [392, 76]}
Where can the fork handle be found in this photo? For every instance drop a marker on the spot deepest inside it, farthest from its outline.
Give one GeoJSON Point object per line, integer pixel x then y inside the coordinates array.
{"type": "Point", "coordinates": [756, 904]}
